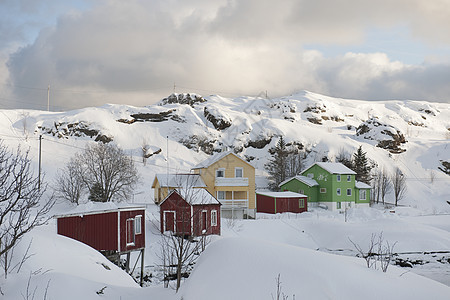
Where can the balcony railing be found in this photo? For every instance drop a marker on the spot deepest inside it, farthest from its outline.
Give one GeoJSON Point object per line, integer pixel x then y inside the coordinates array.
{"type": "Point", "coordinates": [223, 181]}
{"type": "Point", "coordinates": [235, 203]}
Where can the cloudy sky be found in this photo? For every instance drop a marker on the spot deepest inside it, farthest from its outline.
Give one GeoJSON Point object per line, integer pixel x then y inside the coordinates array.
{"type": "Point", "coordinates": [136, 52]}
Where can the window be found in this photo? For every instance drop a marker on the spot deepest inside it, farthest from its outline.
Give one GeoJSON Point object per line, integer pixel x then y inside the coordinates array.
{"type": "Point", "coordinates": [349, 192]}
{"type": "Point", "coordinates": [137, 224]}
{"type": "Point", "coordinates": [323, 190]}
{"type": "Point", "coordinates": [338, 178]}
{"type": "Point", "coordinates": [301, 203]}
{"type": "Point", "coordinates": [130, 232]}
{"type": "Point", "coordinates": [338, 191]}
{"type": "Point", "coordinates": [214, 218]}
{"type": "Point", "coordinates": [221, 195]}
{"type": "Point", "coordinates": [349, 178]}
{"type": "Point", "coordinates": [301, 192]}
{"type": "Point", "coordinates": [310, 175]}
{"type": "Point", "coordinates": [362, 194]}
{"type": "Point", "coordinates": [220, 172]}
{"type": "Point", "coordinates": [238, 172]}
{"type": "Point", "coordinates": [338, 205]}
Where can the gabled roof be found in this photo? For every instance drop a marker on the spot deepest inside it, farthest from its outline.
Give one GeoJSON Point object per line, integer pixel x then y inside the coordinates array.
{"type": "Point", "coordinates": [333, 168]}
{"type": "Point", "coordinates": [285, 194]}
{"type": "Point", "coordinates": [215, 158]}
{"type": "Point", "coordinates": [306, 180]}
{"type": "Point", "coordinates": [362, 185]}
{"type": "Point", "coordinates": [179, 181]}
{"type": "Point", "coordinates": [194, 196]}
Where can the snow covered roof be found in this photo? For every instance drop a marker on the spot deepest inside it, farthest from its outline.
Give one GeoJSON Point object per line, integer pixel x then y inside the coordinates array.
{"type": "Point", "coordinates": [216, 157]}
{"type": "Point", "coordinates": [306, 180]}
{"type": "Point", "coordinates": [362, 185]}
{"type": "Point", "coordinates": [286, 194]}
{"type": "Point", "coordinates": [98, 208]}
{"type": "Point", "coordinates": [334, 168]}
{"type": "Point", "coordinates": [180, 180]}
{"type": "Point", "coordinates": [194, 196]}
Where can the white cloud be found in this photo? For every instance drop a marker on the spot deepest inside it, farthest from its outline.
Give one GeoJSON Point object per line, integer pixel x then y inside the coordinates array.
{"type": "Point", "coordinates": [141, 48]}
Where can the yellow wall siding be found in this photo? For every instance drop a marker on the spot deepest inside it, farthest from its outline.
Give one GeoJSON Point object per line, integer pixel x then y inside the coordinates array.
{"type": "Point", "coordinates": [229, 163]}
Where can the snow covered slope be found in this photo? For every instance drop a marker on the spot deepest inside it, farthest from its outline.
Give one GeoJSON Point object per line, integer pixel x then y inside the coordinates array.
{"type": "Point", "coordinates": [186, 128]}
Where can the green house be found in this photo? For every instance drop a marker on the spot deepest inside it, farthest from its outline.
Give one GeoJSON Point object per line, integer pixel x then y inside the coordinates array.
{"type": "Point", "coordinates": [329, 184]}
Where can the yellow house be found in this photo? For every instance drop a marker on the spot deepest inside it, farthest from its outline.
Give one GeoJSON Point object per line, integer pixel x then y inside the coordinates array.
{"type": "Point", "coordinates": [232, 181]}
{"type": "Point", "coordinates": [163, 184]}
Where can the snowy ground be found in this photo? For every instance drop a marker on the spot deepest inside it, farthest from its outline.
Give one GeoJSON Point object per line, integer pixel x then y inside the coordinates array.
{"type": "Point", "coordinates": [311, 252]}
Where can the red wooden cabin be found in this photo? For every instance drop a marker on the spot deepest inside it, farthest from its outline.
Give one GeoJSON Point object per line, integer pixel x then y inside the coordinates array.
{"type": "Point", "coordinates": [113, 231]}
{"type": "Point", "coordinates": [191, 212]}
{"type": "Point", "coordinates": [279, 202]}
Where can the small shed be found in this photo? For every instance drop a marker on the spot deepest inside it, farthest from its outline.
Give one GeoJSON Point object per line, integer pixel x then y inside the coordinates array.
{"type": "Point", "coordinates": [113, 231]}
{"type": "Point", "coordinates": [190, 212]}
{"type": "Point", "coordinates": [279, 202]}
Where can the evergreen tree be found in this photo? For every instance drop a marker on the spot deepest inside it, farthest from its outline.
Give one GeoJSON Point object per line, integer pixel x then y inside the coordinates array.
{"type": "Point", "coordinates": [361, 166]}
{"type": "Point", "coordinates": [97, 193]}
{"type": "Point", "coordinates": [276, 167]}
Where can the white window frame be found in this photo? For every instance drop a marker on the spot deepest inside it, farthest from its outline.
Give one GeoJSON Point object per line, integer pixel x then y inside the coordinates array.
{"type": "Point", "coordinates": [362, 192]}
{"type": "Point", "coordinates": [301, 203]}
{"type": "Point", "coordinates": [235, 172]}
{"type": "Point", "coordinates": [338, 205]}
{"type": "Point", "coordinates": [126, 232]}
{"type": "Point", "coordinates": [338, 191]}
{"type": "Point", "coordinates": [174, 220]}
{"type": "Point", "coordinates": [301, 192]}
{"type": "Point", "coordinates": [349, 192]}
{"type": "Point", "coordinates": [349, 178]}
{"type": "Point", "coordinates": [220, 170]}
{"type": "Point", "coordinates": [224, 195]}
{"type": "Point", "coordinates": [323, 190]}
{"type": "Point", "coordinates": [338, 178]}
{"type": "Point", "coordinates": [213, 217]}
{"type": "Point", "coordinates": [137, 224]}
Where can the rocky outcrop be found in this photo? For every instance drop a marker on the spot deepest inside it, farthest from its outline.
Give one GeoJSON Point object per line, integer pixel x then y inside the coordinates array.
{"type": "Point", "coordinates": [219, 120]}
{"type": "Point", "coordinates": [78, 129]}
{"type": "Point", "coordinates": [388, 137]}
{"type": "Point", "coordinates": [199, 143]}
{"type": "Point", "coordinates": [184, 98]}
{"type": "Point", "coordinates": [154, 117]}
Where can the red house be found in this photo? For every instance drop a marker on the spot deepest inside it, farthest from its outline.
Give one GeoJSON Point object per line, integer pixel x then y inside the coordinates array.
{"type": "Point", "coordinates": [279, 202]}
{"type": "Point", "coordinates": [113, 231]}
{"type": "Point", "coordinates": [190, 212]}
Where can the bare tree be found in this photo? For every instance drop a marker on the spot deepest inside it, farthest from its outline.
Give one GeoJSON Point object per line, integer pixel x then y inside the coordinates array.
{"type": "Point", "coordinates": [379, 253]}
{"type": "Point", "coordinates": [21, 205]}
{"type": "Point", "coordinates": [69, 183]}
{"type": "Point", "coordinates": [104, 170]}
{"type": "Point", "coordinates": [376, 187]}
{"type": "Point", "coordinates": [398, 185]}
{"type": "Point", "coordinates": [294, 162]}
{"type": "Point", "coordinates": [385, 184]}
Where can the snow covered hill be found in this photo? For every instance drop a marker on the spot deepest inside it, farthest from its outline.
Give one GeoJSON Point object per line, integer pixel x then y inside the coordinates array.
{"type": "Point", "coordinates": [184, 129]}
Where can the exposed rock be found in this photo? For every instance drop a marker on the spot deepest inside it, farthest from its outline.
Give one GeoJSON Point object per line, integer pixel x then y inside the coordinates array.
{"type": "Point", "coordinates": [158, 117]}
{"type": "Point", "coordinates": [336, 119]}
{"type": "Point", "coordinates": [199, 143]}
{"type": "Point", "coordinates": [318, 108]}
{"type": "Point", "coordinates": [315, 121]}
{"type": "Point", "coordinates": [78, 129]}
{"type": "Point", "coordinates": [260, 143]}
{"type": "Point", "coordinates": [388, 137]}
{"type": "Point", "coordinates": [445, 167]}
{"type": "Point", "coordinates": [184, 98]}
{"type": "Point", "coordinates": [219, 120]}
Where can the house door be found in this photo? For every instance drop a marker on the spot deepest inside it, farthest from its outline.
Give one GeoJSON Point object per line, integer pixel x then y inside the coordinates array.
{"type": "Point", "coordinates": [130, 232]}
{"type": "Point", "coordinates": [204, 219]}
{"type": "Point", "coordinates": [169, 221]}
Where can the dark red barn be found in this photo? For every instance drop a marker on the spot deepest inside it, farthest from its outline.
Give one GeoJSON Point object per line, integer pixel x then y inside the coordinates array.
{"type": "Point", "coordinates": [190, 212]}
{"type": "Point", "coordinates": [113, 232]}
{"type": "Point", "coordinates": [279, 202]}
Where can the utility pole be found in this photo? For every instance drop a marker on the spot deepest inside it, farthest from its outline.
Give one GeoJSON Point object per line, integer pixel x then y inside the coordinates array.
{"type": "Point", "coordinates": [174, 86]}
{"type": "Point", "coordinates": [48, 98]}
{"type": "Point", "coordinates": [40, 151]}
